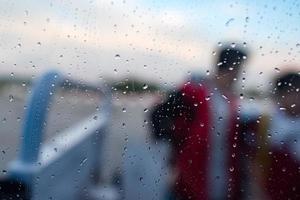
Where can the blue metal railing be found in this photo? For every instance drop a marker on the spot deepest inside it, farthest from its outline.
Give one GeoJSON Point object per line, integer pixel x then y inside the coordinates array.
{"type": "Point", "coordinates": [28, 165]}
{"type": "Point", "coordinates": [33, 127]}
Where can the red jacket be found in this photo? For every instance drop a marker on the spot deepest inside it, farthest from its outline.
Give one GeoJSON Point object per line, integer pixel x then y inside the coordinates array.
{"type": "Point", "coordinates": [191, 139]}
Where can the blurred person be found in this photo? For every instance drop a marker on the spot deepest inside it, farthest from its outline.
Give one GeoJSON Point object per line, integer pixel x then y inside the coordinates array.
{"type": "Point", "coordinates": [278, 150]}
{"type": "Point", "coordinates": [201, 121]}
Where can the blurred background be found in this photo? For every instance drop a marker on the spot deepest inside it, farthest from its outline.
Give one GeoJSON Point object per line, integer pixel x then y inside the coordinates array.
{"type": "Point", "coordinates": [140, 49]}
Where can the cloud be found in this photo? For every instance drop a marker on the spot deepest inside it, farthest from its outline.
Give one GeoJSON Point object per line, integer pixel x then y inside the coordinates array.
{"type": "Point", "coordinates": [82, 37]}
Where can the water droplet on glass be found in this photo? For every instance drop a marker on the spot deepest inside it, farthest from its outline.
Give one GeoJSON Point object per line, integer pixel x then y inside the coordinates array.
{"type": "Point", "coordinates": [145, 86]}
{"type": "Point", "coordinates": [4, 120]}
{"type": "Point", "coordinates": [225, 97]}
{"type": "Point", "coordinates": [229, 21]}
{"type": "Point", "coordinates": [293, 105]}
{"type": "Point", "coordinates": [247, 19]}
{"type": "Point", "coordinates": [83, 161]}
{"type": "Point", "coordinates": [282, 108]}
{"type": "Point", "coordinates": [124, 110]}
{"type": "Point", "coordinates": [117, 56]}
{"type": "Point", "coordinates": [11, 98]}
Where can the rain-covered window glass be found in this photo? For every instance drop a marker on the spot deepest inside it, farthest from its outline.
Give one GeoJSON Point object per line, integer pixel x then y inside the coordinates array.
{"type": "Point", "coordinates": [140, 99]}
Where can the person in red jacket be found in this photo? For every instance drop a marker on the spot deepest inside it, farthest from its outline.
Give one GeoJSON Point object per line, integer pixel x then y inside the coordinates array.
{"type": "Point", "coordinates": [201, 120]}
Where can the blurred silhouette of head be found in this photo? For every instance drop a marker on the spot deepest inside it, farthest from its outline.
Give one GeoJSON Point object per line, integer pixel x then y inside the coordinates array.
{"type": "Point", "coordinates": [230, 59]}
{"type": "Point", "coordinates": [287, 92]}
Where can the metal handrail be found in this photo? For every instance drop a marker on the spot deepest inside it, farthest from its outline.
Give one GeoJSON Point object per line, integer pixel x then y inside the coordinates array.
{"type": "Point", "coordinates": [36, 116]}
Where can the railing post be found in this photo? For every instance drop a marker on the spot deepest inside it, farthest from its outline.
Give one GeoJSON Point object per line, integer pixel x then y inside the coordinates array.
{"type": "Point", "coordinates": [36, 116]}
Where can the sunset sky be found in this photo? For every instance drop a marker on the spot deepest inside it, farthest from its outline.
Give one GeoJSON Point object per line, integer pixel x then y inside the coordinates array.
{"type": "Point", "coordinates": [156, 40]}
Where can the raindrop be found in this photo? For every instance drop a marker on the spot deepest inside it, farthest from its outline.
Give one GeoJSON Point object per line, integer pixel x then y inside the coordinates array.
{"type": "Point", "coordinates": [117, 56]}
{"type": "Point", "coordinates": [298, 45]}
{"type": "Point", "coordinates": [225, 97]}
{"type": "Point", "coordinates": [293, 105]}
{"type": "Point", "coordinates": [123, 110]}
{"type": "Point", "coordinates": [145, 86]}
{"type": "Point", "coordinates": [229, 21]}
{"type": "Point", "coordinates": [277, 69]}
{"type": "Point", "coordinates": [4, 120]}
{"type": "Point", "coordinates": [247, 19]}
{"type": "Point", "coordinates": [282, 108]}
{"type": "Point", "coordinates": [11, 98]}
{"type": "Point", "coordinates": [83, 161]}
{"type": "Point", "coordinates": [231, 169]}
{"type": "Point", "coordinates": [146, 110]}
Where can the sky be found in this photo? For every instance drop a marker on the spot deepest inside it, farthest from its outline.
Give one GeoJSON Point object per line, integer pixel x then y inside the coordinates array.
{"type": "Point", "coordinates": [155, 40]}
